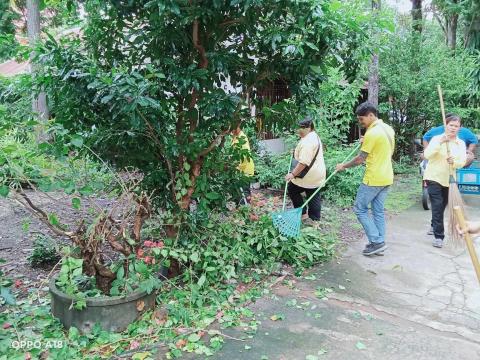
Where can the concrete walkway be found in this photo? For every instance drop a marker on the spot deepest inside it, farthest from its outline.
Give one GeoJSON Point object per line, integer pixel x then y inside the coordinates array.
{"type": "Point", "coordinates": [416, 302]}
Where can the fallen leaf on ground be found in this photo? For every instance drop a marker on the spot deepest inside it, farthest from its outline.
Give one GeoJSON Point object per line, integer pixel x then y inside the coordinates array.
{"type": "Point", "coordinates": [193, 338]}
{"type": "Point", "coordinates": [181, 343]}
{"type": "Point", "coordinates": [360, 345]}
{"type": "Point", "coordinates": [140, 305]}
{"type": "Point", "coordinates": [141, 356]}
{"type": "Point", "coordinates": [277, 317]}
{"type": "Point", "coordinates": [134, 345]}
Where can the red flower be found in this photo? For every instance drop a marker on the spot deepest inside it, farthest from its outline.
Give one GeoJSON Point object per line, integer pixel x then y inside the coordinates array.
{"type": "Point", "coordinates": [254, 217]}
{"type": "Point", "coordinates": [149, 243]}
{"type": "Point", "coordinates": [140, 253]}
{"type": "Point", "coordinates": [18, 283]}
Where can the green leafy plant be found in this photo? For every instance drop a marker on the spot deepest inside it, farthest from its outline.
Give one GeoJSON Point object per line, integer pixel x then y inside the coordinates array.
{"type": "Point", "coordinates": [6, 296]}
{"type": "Point", "coordinates": [44, 251]}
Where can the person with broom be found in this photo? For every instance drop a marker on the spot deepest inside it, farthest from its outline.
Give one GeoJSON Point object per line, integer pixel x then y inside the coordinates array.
{"type": "Point", "coordinates": [376, 151]}
{"type": "Point", "coordinates": [465, 134]}
{"type": "Point", "coordinates": [443, 152]}
{"type": "Point", "coordinates": [307, 172]}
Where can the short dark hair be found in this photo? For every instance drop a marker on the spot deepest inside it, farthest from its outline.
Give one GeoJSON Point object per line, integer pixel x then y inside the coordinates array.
{"type": "Point", "coordinates": [366, 108]}
{"type": "Point", "coordinates": [452, 117]}
{"type": "Point", "coordinates": [306, 122]}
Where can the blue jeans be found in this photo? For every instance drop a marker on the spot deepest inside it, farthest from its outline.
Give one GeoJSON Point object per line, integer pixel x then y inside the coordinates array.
{"type": "Point", "coordinates": [374, 227]}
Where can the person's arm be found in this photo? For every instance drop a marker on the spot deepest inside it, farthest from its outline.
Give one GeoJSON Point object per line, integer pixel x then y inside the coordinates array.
{"type": "Point", "coordinates": [472, 227]}
{"type": "Point", "coordinates": [357, 160]}
{"type": "Point", "coordinates": [433, 147]}
{"type": "Point", "coordinates": [295, 172]}
{"type": "Point", "coordinates": [368, 144]}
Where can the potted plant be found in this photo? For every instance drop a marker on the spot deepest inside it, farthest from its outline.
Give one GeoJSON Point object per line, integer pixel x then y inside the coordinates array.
{"type": "Point", "coordinates": [90, 289]}
{"type": "Point", "coordinates": [109, 274]}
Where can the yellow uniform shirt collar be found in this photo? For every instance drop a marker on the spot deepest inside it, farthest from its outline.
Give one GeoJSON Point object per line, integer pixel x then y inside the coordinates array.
{"type": "Point", "coordinates": [376, 122]}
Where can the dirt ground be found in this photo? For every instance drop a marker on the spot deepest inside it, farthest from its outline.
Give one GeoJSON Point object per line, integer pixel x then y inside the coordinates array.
{"type": "Point", "coordinates": [19, 229]}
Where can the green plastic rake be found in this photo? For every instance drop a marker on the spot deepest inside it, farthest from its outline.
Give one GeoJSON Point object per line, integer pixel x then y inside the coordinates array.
{"type": "Point", "coordinates": [288, 222]}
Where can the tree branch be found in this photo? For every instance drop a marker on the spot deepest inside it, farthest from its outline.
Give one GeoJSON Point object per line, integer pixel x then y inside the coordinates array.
{"type": "Point", "coordinates": [42, 216]}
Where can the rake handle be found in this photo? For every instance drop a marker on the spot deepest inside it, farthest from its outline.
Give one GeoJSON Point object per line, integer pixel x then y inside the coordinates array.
{"type": "Point", "coordinates": [331, 175]}
{"type": "Point", "coordinates": [468, 240]}
{"type": "Point", "coordinates": [286, 184]}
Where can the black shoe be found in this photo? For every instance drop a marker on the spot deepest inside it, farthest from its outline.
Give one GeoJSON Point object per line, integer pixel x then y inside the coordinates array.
{"type": "Point", "coordinates": [372, 249]}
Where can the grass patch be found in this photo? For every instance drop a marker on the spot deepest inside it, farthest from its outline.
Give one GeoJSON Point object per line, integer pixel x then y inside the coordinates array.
{"type": "Point", "coordinates": [405, 192]}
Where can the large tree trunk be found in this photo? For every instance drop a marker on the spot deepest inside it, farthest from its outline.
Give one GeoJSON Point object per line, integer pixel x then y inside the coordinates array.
{"type": "Point", "coordinates": [417, 15]}
{"type": "Point", "coordinates": [373, 85]}
{"type": "Point", "coordinates": [451, 27]}
{"type": "Point", "coordinates": [39, 104]}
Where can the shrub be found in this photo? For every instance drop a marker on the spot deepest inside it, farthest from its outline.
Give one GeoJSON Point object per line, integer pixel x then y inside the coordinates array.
{"type": "Point", "coordinates": [44, 252]}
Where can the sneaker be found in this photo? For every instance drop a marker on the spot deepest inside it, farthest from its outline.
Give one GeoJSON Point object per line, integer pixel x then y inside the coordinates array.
{"type": "Point", "coordinates": [430, 232]}
{"type": "Point", "coordinates": [372, 249]}
{"type": "Point", "coordinates": [438, 243]}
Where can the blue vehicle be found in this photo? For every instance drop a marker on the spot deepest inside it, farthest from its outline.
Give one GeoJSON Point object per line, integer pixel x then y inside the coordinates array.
{"type": "Point", "coordinates": [468, 179]}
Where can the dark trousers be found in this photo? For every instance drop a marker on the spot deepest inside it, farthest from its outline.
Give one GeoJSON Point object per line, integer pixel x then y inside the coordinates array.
{"type": "Point", "coordinates": [439, 199]}
{"type": "Point", "coordinates": [314, 206]}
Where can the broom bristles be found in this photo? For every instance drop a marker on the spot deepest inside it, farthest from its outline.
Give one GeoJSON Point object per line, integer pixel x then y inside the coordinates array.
{"type": "Point", "coordinates": [454, 239]}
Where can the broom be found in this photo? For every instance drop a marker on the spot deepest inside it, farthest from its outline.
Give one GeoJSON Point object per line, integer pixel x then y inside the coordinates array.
{"type": "Point", "coordinates": [288, 222]}
{"type": "Point", "coordinates": [454, 197]}
{"type": "Point", "coordinates": [468, 239]}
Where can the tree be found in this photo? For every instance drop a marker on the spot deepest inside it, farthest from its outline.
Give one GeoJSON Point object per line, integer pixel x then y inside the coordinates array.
{"type": "Point", "coordinates": [417, 17]}
{"type": "Point", "coordinates": [373, 71]}
{"type": "Point", "coordinates": [158, 85]}
{"type": "Point", "coordinates": [39, 103]}
{"type": "Point", "coordinates": [8, 43]}
{"type": "Point", "coordinates": [415, 108]}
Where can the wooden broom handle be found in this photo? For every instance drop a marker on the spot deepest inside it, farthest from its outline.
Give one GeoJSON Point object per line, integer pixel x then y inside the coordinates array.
{"type": "Point", "coordinates": [468, 239]}
{"type": "Point", "coordinates": [442, 107]}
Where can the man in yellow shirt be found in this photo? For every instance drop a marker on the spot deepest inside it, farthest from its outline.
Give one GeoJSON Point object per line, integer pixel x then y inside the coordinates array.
{"type": "Point", "coordinates": [376, 151]}
{"type": "Point", "coordinates": [246, 165]}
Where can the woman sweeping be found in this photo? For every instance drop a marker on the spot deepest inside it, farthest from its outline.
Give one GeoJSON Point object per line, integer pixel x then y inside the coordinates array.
{"type": "Point", "coordinates": [437, 172]}
{"type": "Point", "coordinates": [308, 172]}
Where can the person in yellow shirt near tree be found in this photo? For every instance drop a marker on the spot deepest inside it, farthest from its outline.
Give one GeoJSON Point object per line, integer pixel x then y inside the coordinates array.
{"type": "Point", "coordinates": [437, 172]}
{"type": "Point", "coordinates": [246, 166]}
{"type": "Point", "coordinates": [376, 151]}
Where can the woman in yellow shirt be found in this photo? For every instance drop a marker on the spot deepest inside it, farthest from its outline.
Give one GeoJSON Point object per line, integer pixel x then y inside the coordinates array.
{"type": "Point", "coordinates": [437, 172]}
{"type": "Point", "coordinates": [308, 154]}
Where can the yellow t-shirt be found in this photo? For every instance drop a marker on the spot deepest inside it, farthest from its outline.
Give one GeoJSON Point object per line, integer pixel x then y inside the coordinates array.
{"type": "Point", "coordinates": [438, 169]}
{"type": "Point", "coordinates": [379, 169]}
{"type": "Point", "coordinates": [246, 166]}
{"type": "Point", "coordinates": [304, 153]}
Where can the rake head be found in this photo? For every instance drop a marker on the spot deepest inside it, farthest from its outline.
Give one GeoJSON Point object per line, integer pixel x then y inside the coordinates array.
{"type": "Point", "coordinates": [288, 222]}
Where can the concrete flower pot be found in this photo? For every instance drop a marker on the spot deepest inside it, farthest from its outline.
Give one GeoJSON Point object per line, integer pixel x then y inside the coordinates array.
{"type": "Point", "coordinates": [113, 313]}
